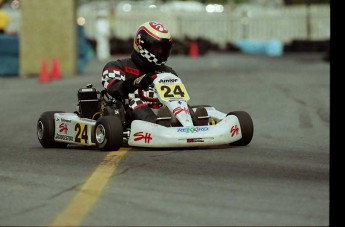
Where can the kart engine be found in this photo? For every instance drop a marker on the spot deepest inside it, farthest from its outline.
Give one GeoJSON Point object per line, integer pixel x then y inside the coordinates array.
{"type": "Point", "coordinates": [88, 101]}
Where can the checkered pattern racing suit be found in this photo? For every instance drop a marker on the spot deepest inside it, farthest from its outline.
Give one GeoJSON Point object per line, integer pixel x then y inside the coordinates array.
{"type": "Point", "coordinates": [116, 72]}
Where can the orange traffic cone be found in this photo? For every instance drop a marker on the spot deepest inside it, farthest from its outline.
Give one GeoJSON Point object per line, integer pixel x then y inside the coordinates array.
{"type": "Point", "coordinates": [55, 73]}
{"type": "Point", "coordinates": [44, 76]}
{"type": "Point", "coordinates": [193, 49]}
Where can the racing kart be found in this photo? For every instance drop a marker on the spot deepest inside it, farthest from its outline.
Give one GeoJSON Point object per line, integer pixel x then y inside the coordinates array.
{"type": "Point", "coordinates": [105, 124]}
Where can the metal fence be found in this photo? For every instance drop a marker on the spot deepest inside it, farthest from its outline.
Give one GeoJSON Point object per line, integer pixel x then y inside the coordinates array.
{"type": "Point", "coordinates": [283, 23]}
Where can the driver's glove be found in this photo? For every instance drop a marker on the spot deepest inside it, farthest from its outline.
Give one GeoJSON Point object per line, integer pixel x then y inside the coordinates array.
{"type": "Point", "coordinates": [133, 83]}
{"type": "Point", "coordinates": [143, 81]}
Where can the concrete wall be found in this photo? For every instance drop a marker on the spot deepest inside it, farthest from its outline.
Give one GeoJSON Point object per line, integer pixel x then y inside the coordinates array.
{"type": "Point", "coordinates": [48, 29]}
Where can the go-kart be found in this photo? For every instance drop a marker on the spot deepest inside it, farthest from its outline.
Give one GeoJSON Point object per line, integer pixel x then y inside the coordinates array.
{"type": "Point", "coordinates": [103, 123]}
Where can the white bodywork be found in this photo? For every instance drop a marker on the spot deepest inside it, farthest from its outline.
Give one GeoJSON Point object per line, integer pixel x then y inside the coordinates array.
{"type": "Point", "coordinates": [70, 128]}
{"type": "Point", "coordinates": [146, 134]}
{"type": "Point", "coordinates": [172, 93]}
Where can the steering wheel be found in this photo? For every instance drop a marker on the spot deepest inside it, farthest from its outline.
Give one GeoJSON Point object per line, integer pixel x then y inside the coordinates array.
{"type": "Point", "coordinates": [145, 98]}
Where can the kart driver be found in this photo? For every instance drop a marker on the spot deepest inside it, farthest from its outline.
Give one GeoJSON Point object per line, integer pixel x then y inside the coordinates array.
{"type": "Point", "coordinates": [122, 77]}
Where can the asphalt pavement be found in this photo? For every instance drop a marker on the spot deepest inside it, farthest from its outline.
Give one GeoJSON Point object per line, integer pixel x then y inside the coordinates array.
{"type": "Point", "coordinates": [280, 179]}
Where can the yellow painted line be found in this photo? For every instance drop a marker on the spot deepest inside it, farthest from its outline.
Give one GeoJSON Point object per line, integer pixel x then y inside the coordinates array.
{"type": "Point", "coordinates": [89, 193]}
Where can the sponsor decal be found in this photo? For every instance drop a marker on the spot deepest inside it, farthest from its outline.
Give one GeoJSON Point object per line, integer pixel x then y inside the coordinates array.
{"type": "Point", "coordinates": [142, 136]}
{"type": "Point", "coordinates": [167, 80]}
{"type": "Point", "coordinates": [132, 70]}
{"type": "Point", "coordinates": [138, 80]}
{"type": "Point", "coordinates": [65, 120]}
{"type": "Point", "coordinates": [179, 109]}
{"type": "Point", "coordinates": [158, 27]}
{"type": "Point", "coordinates": [234, 130]}
{"type": "Point", "coordinates": [194, 140]}
{"type": "Point", "coordinates": [192, 129]}
{"type": "Point", "coordinates": [63, 127]}
{"type": "Point", "coordinates": [63, 137]}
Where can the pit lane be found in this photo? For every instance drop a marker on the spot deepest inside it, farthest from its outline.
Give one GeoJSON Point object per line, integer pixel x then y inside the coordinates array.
{"type": "Point", "coordinates": [280, 178]}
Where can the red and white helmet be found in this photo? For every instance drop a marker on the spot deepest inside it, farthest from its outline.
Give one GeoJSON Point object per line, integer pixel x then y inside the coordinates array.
{"type": "Point", "coordinates": [153, 42]}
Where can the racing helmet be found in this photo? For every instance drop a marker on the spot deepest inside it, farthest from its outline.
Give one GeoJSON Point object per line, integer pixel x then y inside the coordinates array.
{"type": "Point", "coordinates": [153, 43]}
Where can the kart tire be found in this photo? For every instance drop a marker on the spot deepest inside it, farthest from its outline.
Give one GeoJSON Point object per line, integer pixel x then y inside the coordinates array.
{"type": "Point", "coordinates": [109, 133]}
{"type": "Point", "coordinates": [46, 130]}
{"type": "Point", "coordinates": [247, 128]}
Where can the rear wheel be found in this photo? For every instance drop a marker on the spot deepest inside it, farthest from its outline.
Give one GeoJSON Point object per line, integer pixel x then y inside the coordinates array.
{"type": "Point", "coordinates": [109, 133]}
{"type": "Point", "coordinates": [46, 130]}
{"type": "Point", "coordinates": [200, 116]}
{"type": "Point", "coordinates": [247, 128]}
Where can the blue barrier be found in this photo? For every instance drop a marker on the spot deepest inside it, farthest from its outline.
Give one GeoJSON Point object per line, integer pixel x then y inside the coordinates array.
{"type": "Point", "coordinates": [9, 55]}
{"type": "Point", "coordinates": [270, 48]}
{"type": "Point", "coordinates": [85, 50]}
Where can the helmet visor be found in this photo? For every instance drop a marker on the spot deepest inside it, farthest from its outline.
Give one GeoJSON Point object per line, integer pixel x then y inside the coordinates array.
{"type": "Point", "coordinates": [161, 49]}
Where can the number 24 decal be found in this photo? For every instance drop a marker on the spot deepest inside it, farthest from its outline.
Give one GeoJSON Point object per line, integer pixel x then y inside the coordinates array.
{"type": "Point", "coordinates": [80, 133]}
{"type": "Point", "coordinates": [171, 91]}
{"type": "Point", "coordinates": [177, 91]}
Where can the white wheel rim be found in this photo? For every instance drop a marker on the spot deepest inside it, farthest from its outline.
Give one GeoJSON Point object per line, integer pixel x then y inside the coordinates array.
{"type": "Point", "coordinates": [100, 133]}
{"type": "Point", "coordinates": [40, 130]}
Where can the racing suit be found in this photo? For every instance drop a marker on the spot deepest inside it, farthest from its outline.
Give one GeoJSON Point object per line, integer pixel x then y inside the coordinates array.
{"type": "Point", "coordinates": [119, 80]}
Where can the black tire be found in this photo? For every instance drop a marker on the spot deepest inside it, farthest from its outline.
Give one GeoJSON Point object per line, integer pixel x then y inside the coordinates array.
{"type": "Point", "coordinates": [109, 133]}
{"type": "Point", "coordinates": [46, 130]}
{"type": "Point", "coordinates": [247, 128]}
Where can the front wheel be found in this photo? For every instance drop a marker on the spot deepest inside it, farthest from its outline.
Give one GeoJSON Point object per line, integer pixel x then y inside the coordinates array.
{"type": "Point", "coordinates": [247, 128]}
{"type": "Point", "coordinates": [109, 133]}
{"type": "Point", "coordinates": [46, 130]}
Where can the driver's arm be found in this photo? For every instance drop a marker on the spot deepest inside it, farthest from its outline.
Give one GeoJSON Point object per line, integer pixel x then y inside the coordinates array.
{"type": "Point", "coordinates": [117, 85]}
{"type": "Point", "coordinates": [112, 78]}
